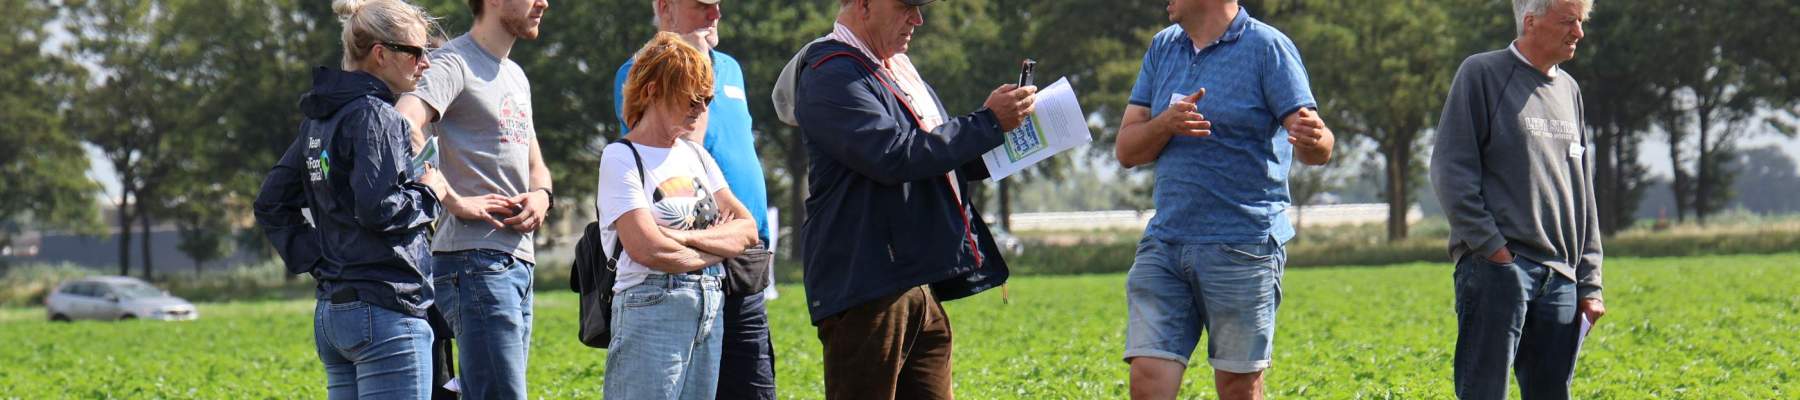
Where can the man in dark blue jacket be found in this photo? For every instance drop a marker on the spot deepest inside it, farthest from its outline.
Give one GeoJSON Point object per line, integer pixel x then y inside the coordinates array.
{"type": "Point", "coordinates": [890, 231]}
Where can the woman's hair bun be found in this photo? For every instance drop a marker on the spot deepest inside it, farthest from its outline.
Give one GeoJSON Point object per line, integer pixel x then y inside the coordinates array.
{"type": "Point", "coordinates": [346, 8]}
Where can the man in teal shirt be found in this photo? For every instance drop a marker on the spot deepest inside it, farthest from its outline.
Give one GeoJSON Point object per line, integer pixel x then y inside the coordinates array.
{"type": "Point", "coordinates": [747, 363]}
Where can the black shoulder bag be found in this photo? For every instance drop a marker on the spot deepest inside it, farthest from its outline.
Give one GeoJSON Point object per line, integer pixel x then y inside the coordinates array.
{"type": "Point", "coordinates": [748, 272]}
{"type": "Point", "coordinates": [594, 272]}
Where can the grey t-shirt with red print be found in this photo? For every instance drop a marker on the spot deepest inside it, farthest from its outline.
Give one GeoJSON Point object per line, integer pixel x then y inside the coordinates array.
{"type": "Point", "coordinates": [485, 135]}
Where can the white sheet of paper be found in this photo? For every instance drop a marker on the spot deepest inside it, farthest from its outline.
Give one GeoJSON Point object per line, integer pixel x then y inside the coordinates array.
{"type": "Point", "coordinates": [774, 217]}
{"type": "Point", "coordinates": [1585, 326]}
{"type": "Point", "coordinates": [1056, 126]}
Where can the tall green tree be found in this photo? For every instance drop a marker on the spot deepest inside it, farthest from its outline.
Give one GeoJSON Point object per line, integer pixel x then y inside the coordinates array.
{"type": "Point", "coordinates": [255, 77]}
{"type": "Point", "coordinates": [1380, 73]}
{"type": "Point", "coordinates": [43, 181]}
{"type": "Point", "coordinates": [189, 91]}
{"type": "Point", "coordinates": [1620, 65]}
{"type": "Point", "coordinates": [1732, 70]}
{"type": "Point", "coordinates": [132, 112]}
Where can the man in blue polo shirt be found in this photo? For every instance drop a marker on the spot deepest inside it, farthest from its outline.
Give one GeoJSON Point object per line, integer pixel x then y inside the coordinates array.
{"type": "Point", "coordinates": [1232, 110]}
{"type": "Point", "coordinates": [747, 360]}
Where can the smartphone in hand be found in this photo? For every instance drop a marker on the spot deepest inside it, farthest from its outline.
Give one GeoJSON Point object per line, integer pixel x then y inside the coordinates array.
{"type": "Point", "coordinates": [1025, 68]}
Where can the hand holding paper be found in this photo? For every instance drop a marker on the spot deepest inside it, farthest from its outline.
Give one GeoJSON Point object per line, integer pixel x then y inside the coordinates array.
{"type": "Point", "coordinates": [1055, 124]}
{"type": "Point", "coordinates": [427, 155]}
{"type": "Point", "coordinates": [1589, 311]}
{"type": "Point", "coordinates": [1592, 309]}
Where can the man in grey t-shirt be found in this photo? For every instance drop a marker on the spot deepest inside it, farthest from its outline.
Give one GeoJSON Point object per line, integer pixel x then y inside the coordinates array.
{"type": "Point", "coordinates": [1512, 171]}
{"type": "Point", "coordinates": [481, 103]}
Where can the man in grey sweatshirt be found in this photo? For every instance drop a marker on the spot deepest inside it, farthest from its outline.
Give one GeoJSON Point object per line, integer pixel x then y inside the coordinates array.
{"type": "Point", "coordinates": [1512, 171]}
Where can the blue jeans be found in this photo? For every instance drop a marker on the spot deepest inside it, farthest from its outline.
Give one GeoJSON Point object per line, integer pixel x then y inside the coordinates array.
{"type": "Point", "coordinates": [485, 295]}
{"type": "Point", "coordinates": [1521, 315]}
{"type": "Point", "coordinates": [747, 358]}
{"type": "Point", "coordinates": [666, 338]}
{"type": "Point", "coordinates": [1175, 292]}
{"type": "Point", "coordinates": [371, 352]}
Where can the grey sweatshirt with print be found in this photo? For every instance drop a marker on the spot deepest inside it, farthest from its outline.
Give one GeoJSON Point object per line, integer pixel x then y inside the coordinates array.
{"type": "Point", "coordinates": [1511, 168]}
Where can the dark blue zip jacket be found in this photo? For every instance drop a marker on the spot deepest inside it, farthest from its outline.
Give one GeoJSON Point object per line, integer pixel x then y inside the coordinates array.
{"type": "Point", "coordinates": [370, 219]}
{"type": "Point", "coordinates": [880, 215]}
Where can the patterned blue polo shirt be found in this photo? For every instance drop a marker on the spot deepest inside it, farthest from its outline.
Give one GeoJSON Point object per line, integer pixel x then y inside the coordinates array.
{"type": "Point", "coordinates": [1230, 187]}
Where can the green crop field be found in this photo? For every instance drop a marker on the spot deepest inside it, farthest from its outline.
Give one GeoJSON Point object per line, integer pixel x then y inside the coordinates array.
{"type": "Point", "coordinates": [1717, 327]}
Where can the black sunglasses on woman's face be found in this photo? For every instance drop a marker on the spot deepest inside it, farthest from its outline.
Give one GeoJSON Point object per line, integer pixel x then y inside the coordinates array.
{"type": "Point", "coordinates": [415, 51]}
{"type": "Point", "coordinates": [695, 106]}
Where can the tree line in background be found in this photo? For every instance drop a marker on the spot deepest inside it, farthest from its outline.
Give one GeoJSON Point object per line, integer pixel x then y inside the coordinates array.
{"type": "Point", "coordinates": [1703, 76]}
{"type": "Point", "coordinates": [191, 101]}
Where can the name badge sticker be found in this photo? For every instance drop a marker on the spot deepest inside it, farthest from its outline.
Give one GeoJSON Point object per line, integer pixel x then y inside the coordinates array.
{"type": "Point", "coordinates": [1576, 150]}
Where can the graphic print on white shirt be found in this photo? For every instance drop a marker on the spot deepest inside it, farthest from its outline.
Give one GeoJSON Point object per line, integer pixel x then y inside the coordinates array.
{"type": "Point", "coordinates": [686, 204]}
{"type": "Point", "coordinates": [688, 179]}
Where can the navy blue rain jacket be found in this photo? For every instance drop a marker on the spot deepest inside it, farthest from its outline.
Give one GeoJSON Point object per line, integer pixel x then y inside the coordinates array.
{"type": "Point", "coordinates": [881, 217]}
{"type": "Point", "coordinates": [370, 220]}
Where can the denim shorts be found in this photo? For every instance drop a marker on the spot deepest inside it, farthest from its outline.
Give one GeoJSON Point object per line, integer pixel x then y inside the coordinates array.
{"type": "Point", "coordinates": [1175, 292]}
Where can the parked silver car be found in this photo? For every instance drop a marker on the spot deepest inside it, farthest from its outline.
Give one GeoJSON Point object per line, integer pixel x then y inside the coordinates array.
{"type": "Point", "coordinates": [115, 298]}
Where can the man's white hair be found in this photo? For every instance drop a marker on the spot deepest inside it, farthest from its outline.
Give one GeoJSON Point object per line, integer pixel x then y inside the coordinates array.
{"type": "Point", "coordinates": [1537, 8]}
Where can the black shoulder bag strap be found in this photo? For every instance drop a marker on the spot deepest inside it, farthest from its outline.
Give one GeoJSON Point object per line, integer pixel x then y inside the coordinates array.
{"type": "Point", "coordinates": [655, 195]}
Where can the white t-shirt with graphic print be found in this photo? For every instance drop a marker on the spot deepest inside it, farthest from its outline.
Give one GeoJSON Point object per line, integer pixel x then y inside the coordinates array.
{"type": "Point", "coordinates": [688, 178]}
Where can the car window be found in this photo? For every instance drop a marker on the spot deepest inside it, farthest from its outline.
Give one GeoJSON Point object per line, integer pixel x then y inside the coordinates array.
{"type": "Point", "coordinates": [79, 289]}
{"type": "Point", "coordinates": [135, 290]}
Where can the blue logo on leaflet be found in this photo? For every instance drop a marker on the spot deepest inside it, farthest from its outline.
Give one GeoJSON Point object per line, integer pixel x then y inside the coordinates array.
{"type": "Point", "coordinates": [1025, 141]}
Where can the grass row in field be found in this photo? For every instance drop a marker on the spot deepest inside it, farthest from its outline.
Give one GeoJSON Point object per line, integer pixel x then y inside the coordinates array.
{"type": "Point", "coordinates": [1071, 252]}
{"type": "Point", "coordinates": [1046, 253]}
{"type": "Point", "coordinates": [1721, 327]}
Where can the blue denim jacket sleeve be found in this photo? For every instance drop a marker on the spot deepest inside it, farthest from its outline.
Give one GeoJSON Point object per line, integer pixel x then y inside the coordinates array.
{"type": "Point", "coordinates": [277, 210]}
{"type": "Point", "coordinates": [385, 197]}
{"type": "Point", "coordinates": [848, 122]}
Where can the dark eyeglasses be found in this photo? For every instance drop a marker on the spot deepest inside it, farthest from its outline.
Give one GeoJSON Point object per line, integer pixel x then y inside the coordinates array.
{"type": "Point", "coordinates": [696, 105]}
{"type": "Point", "coordinates": [415, 51]}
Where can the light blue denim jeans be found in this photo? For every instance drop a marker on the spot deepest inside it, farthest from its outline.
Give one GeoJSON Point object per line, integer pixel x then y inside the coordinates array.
{"type": "Point", "coordinates": [485, 295]}
{"type": "Point", "coordinates": [666, 338]}
{"type": "Point", "coordinates": [1230, 292]}
{"type": "Point", "coordinates": [372, 352]}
